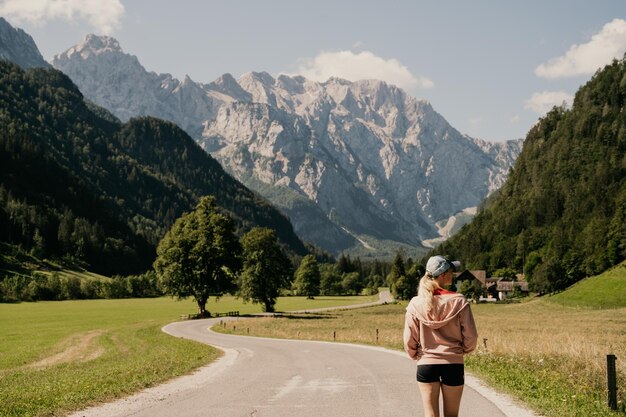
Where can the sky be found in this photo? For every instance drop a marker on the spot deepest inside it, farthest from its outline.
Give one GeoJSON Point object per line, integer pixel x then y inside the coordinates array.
{"type": "Point", "coordinates": [491, 68]}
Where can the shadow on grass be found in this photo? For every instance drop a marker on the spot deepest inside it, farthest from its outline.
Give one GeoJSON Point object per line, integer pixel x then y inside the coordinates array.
{"type": "Point", "coordinates": [316, 316]}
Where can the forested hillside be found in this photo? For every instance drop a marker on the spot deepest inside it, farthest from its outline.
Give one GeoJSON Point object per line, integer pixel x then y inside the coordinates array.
{"type": "Point", "coordinates": [561, 215]}
{"type": "Point", "coordinates": [75, 182]}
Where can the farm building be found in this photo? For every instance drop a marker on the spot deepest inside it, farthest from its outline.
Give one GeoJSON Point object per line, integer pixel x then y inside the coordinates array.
{"type": "Point", "coordinates": [493, 287]}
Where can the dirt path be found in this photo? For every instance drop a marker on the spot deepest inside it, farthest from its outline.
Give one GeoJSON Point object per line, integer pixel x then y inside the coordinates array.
{"type": "Point", "coordinates": [78, 348]}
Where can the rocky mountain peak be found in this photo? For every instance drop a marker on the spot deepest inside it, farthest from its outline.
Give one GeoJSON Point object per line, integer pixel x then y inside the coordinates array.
{"type": "Point", "coordinates": [228, 85]}
{"type": "Point", "coordinates": [337, 81]}
{"type": "Point", "coordinates": [260, 85]}
{"type": "Point", "coordinates": [95, 45]}
{"type": "Point", "coordinates": [117, 81]}
{"type": "Point", "coordinates": [262, 77]}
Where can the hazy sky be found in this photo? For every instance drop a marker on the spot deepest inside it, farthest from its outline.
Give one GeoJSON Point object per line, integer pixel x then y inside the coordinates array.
{"type": "Point", "coordinates": [491, 68]}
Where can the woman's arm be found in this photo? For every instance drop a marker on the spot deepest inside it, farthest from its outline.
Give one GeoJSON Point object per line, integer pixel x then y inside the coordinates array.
{"type": "Point", "coordinates": [468, 329]}
{"type": "Point", "coordinates": [411, 336]}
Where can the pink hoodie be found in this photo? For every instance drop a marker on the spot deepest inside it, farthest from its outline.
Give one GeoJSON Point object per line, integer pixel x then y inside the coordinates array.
{"type": "Point", "coordinates": [445, 335]}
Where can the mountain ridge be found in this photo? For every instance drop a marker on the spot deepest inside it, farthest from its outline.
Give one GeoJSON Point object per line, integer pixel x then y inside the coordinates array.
{"type": "Point", "coordinates": [19, 47]}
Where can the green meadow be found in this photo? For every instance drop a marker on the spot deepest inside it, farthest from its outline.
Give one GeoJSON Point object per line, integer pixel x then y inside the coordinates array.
{"type": "Point", "coordinates": [607, 290]}
{"type": "Point", "coordinates": [60, 356]}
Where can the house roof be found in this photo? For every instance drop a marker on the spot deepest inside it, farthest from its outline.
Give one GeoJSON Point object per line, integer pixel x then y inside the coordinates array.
{"type": "Point", "coordinates": [507, 286]}
{"type": "Point", "coordinates": [479, 275]}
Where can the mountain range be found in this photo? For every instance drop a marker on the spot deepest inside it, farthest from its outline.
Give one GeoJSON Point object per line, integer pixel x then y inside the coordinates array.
{"type": "Point", "coordinates": [360, 167]}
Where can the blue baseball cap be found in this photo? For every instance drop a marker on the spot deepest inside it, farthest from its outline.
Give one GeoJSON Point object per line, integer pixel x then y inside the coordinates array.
{"type": "Point", "coordinates": [437, 265]}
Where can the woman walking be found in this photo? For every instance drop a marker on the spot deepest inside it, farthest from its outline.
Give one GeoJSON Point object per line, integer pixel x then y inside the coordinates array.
{"type": "Point", "coordinates": [439, 329]}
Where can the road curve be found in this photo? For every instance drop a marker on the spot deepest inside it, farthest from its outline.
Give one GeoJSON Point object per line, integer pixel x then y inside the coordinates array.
{"type": "Point", "coordinates": [286, 378]}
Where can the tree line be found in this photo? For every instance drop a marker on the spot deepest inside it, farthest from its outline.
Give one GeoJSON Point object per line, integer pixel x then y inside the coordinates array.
{"type": "Point", "coordinates": [202, 256]}
{"type": "Point", "coordinates": [55, 287]}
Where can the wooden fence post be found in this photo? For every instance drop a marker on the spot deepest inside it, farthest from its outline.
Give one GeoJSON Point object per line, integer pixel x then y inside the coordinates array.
{"type": "Point", "coordinates": [612, 381]}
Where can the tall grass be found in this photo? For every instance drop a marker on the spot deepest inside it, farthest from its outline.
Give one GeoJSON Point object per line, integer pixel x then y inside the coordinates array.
{"type": "Point", "coordinates": [551, 356]}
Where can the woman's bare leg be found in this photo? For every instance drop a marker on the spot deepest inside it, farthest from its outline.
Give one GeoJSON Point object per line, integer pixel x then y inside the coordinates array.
{"type": "Point", "coordinates": [430, 398]}
{"type": "Point", "coordinates": [451, 400]}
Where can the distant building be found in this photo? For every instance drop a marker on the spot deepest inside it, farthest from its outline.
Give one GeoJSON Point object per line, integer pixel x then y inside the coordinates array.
{"type": "Point", "coordinates": [505, 288]}
{"type": "Point", "coordinates": [492, 286]}
{"type": "Point", "coordinates": [477, 275]}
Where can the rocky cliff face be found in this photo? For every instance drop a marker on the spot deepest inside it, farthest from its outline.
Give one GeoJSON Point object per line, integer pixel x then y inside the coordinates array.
{"type": "Point", "coordinates": [352, 163]}
{"type": "Point", "coordinates": [18, 47]}
{"type": "Point", "coordinates": [117, 81]}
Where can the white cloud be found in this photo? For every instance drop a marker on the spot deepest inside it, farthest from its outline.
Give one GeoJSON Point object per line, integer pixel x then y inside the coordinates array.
{"type": "Point", "coordinates": [358, 66]}
{"type": "Point", "coordinates": [514, 119]}
{"type": "Point", "coordinates": [542, 102]}
{"type": "Point", "coordinates": [586, 58]}
{"type": "Point", "coordinates": [102, 15]}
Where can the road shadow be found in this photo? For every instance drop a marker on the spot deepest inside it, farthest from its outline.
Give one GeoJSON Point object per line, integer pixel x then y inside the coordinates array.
{"type": "Point", "coordinates": [305, 316]}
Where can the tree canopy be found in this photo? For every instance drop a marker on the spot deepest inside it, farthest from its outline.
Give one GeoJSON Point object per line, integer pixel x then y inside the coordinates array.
{"type": "Point", "coordinates": [307, 278]}
{"type": "Point", "coordinates": [200, 255]}
{"type": "Point", "coordinates": [266, 269]}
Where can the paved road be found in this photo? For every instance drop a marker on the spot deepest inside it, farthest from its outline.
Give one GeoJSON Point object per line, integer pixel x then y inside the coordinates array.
{"type": "Point", "coordinates": [282, 378]}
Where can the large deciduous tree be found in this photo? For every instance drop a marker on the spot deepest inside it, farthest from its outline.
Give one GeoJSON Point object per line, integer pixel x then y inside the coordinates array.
{"type": "Point", "coordinates": [266, 269]}
{"type": "Point", "coordinates": [200, 255]}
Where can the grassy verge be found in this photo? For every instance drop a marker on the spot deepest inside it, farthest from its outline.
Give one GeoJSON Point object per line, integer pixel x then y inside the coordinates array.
{"type": "Point", "coordinates": [549, 356]}
{"type": "Point", "coordinates": [64, 355]}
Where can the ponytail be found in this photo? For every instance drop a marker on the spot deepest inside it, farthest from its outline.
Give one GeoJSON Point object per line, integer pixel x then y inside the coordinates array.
{"type": "Point", "coordinates": [426, 289]}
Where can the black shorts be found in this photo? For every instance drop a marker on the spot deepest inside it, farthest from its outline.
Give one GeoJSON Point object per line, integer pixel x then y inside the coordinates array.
{"type": "Point", "coordinates": [451, 374]}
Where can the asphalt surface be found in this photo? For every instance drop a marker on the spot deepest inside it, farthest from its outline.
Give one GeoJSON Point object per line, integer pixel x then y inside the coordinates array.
{"type": "Point", "coordinates": [287, 378]}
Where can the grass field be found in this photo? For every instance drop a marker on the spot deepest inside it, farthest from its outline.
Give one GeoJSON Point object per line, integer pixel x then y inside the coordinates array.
{"type": "Point", "coordinates": [551, 357]}
{"type": "Point", "coordinates": [607, 290]}
{"type": "Point", "coordinates": [63, 355]}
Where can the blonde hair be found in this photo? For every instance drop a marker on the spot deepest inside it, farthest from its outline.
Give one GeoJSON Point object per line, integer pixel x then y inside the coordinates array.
{"type": "Point", "coordinates": [425, 291]}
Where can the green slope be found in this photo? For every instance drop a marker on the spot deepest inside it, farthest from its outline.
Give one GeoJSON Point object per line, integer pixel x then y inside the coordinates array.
{"type": "Point", "coordinates": [607, 290]}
